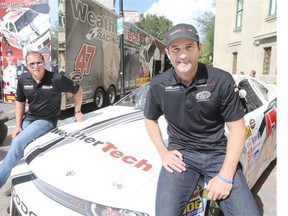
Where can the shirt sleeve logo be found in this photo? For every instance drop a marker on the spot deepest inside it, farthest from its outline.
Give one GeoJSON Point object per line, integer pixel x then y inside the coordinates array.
{"type": "Point", "coordinates": [203, 96]}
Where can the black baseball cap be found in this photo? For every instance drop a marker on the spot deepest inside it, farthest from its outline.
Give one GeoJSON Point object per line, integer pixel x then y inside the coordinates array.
{"type": "Point", "coordinates": [181, 31]}
{"type": "Point", "coordinates": [8, 51]}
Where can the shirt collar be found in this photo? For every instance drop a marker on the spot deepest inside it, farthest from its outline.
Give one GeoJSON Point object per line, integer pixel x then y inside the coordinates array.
{"type": "Point", "coordinates": [45, 76]}
{"type": "Point", "coordinates": [200, 78]}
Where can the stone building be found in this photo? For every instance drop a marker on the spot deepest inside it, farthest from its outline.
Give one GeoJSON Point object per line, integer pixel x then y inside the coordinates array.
{"type": "Point", "coordinates": [246, 37]}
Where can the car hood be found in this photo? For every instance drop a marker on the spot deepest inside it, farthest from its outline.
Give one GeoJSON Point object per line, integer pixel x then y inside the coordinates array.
{"type": "Point", "coordinates": [99, 159]}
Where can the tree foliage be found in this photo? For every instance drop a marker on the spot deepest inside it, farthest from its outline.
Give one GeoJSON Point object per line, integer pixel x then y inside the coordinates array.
{"type": "Point", "coordinates": [206, 25]}
{"type": "Point", "coordinates": [155, 25]}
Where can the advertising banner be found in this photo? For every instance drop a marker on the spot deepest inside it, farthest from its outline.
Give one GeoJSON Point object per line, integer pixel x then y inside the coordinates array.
{"type": "Point", "coordinates": [25, 26]}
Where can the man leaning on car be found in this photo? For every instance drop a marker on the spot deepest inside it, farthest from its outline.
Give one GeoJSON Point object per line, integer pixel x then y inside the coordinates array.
{"type": "Point", "coordinates": [42, 89]}
{"type": "Point", "coordinates": [197, 104]}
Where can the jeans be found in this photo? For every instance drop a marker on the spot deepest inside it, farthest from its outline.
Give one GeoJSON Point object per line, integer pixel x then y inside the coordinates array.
{"type": "Point", "coordinates": [31, 130]}
{"type": "Point", "coordinates": [175, 189]}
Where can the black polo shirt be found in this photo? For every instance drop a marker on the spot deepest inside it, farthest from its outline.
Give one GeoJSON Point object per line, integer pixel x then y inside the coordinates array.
{"type": "Point", "coordinates": [196, 114]}
{"type": "Point", "coordinates": [44, 98]}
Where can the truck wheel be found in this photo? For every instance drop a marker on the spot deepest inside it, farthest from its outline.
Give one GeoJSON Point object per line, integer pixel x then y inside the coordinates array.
{"type": "Point", "coordinates": [111, 95]}
{"type": "Point", "coordinates": [3, 132]}
{"type": "Point", "coordinates": [99, 98]}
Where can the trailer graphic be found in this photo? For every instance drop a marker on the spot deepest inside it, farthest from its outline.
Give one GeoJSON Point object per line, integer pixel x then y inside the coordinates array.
{"type": "Point", "coordinates": [24, 26]}
{"type": "Point", "coordinates": [83, 44]}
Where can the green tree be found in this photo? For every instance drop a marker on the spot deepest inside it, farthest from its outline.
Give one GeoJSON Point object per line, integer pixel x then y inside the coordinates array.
{"type": "Point", "coordinates": [155, 25]}
{"type": "Point", "coordinates": [206, 25]}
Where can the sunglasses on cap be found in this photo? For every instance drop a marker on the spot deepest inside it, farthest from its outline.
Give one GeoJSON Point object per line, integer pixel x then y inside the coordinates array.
{"type": "Point", "coordinates": [33, 64]}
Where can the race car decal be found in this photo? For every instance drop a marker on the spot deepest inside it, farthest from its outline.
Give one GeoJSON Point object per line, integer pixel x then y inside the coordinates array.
{"type": "Point", "coordinates": [257, 139]}
{"type": "Point", "coordinates": [83, 134]}
{"type": "Point", "coordinates": [252, 123]}
{"type": "Point", "coordinates": [126, 158]}
{"type": "Point", "coordinates": [269, 121]}
{"type": "Point", "coordinates": [40, 150]}
{"type": "Point", "coordinates": [19, 207]}
{"type": "Point", "coordinates": [194, 206]}
{"type": "Point", "coordinates": [77, 135]}
{"type": "Point", "coordinates": [85, 58]}
{"type": "Point", "coordinates": [262, 126]}
{"type": "Point", "coordinates": [84, 207]}
{"type": "Point", "coordinates": [197, 203]}
{"type": "Point", "coordinates": [248, 132]}
{"type": "Point", "coordinates": [25, 177]}
{"type": "Point", "coordinates": [270, 117]}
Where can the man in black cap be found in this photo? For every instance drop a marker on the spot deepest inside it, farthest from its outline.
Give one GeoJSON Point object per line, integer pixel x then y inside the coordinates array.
{"type": "Point", "coordinates": [197, 101]}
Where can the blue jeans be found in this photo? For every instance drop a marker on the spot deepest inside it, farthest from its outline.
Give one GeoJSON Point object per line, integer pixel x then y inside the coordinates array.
{"type": "Point", "coordinates": [175, 189]}
{"type": "Point", "coordinates": [31, 130]}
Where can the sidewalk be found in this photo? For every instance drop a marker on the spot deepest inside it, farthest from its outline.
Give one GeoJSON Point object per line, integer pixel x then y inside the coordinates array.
{"type": "Point", "coordinates": [4, 201]}
{"type": "Point", "coordinates": [265, 191]}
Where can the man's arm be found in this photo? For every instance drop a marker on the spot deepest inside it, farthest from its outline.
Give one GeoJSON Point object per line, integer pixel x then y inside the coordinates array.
{"type": "Point", "coordinates": [171, 160]}
{"type": "Point", "coordinates": [219, 189]}
{"type": "Point", "coordinates": [20, 110]}
{"type": "Point", "coordinates": [78, 103]}
{"type": "Point", "coordinates": [235, 145]}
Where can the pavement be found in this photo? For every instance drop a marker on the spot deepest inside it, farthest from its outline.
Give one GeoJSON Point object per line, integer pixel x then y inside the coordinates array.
{"type": "Point", "coordinates": [264, 190]}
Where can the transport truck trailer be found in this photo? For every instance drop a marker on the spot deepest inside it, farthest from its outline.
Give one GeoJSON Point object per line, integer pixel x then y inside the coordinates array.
{"type": "Point", "coordinates": [79, 39]}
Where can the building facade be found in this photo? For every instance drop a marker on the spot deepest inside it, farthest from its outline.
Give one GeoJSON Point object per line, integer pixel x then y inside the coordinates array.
{"type": "Point", "coordinates": [246, 37]}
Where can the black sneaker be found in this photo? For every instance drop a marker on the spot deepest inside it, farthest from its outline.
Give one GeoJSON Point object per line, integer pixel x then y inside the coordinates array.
{"type": "Point", "coordinates": [8, 192]}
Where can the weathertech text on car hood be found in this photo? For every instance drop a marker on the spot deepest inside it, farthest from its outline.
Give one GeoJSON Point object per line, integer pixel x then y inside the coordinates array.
{"type": "Point", "coordinates": [107, 148]}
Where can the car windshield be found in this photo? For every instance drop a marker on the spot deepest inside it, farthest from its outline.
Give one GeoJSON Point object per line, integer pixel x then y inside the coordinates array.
{"type": "Point", "coordinates": [25, 19]}
{"type": "Point", "coordinates": [136, 98]}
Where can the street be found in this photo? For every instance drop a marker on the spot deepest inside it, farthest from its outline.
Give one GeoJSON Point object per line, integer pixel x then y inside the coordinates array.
{"type": "Point", "coordinates": [264, 190]}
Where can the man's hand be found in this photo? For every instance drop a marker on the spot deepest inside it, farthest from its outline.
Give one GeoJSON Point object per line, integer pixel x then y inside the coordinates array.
{"type": "Point", "coordinates": [69, 95]}
{"type": "Point", "coordinates": [173, 160]}
{"type": "Point", "coordinates": [79, 117]}
{"type": "Point", "coordinates": [16, 131]}
{"type": "Point", "coordinates": [218, 189]}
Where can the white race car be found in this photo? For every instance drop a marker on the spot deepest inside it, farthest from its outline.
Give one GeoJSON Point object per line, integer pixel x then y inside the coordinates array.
{"type": "Point", "coordinates": [107, 164]}
{"type": "Point", "coordinates": [26, 27]}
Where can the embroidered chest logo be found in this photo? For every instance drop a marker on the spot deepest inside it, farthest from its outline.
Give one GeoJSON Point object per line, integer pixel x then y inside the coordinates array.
{"type": "Point", "coordinates": [172, 88]}
{"type": "Point", "coordinates": [28, 87]}
{"type": "Point", "coordinates": [203, 96]}
{"type": "Point", "coordinates": [47, 87]}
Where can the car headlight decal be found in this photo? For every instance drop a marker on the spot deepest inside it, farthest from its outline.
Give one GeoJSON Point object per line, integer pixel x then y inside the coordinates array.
{"type": "Point", "coordinates": [80, 205]}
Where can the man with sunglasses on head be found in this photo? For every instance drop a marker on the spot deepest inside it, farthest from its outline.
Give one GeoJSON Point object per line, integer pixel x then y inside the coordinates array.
{"type": "Point", "coordinates": [42, 90]}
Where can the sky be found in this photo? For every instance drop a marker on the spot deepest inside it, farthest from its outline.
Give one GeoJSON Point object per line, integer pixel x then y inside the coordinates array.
{"type": "Point", "coordinates": [178, 11]}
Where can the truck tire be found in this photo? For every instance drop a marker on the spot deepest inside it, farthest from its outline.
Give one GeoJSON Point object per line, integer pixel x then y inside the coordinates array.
{"type": "Point", "coordinates": [3, 132]}
{"type": "Point", "coordinates": [111, 95]}
{"type": "Point", "coordinates": [99, 98]}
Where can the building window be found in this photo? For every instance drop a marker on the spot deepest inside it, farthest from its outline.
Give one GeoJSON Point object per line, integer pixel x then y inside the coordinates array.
{"type": "Point", "coordinates": [239, 13]}
{"type": "Point", "coordinates": [272, 7]}
{"type": "Point", "coordinates": [234, 66]}
{"type": "Point", "coordinates": [267, 60]}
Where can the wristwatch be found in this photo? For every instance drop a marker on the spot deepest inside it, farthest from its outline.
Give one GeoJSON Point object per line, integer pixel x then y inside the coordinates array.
{"type": "Point", "coordinates": [77, 111]}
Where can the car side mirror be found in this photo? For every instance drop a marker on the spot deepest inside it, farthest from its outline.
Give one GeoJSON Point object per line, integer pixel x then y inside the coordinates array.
{"type": "Point", "coordinates": [242, 93]}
